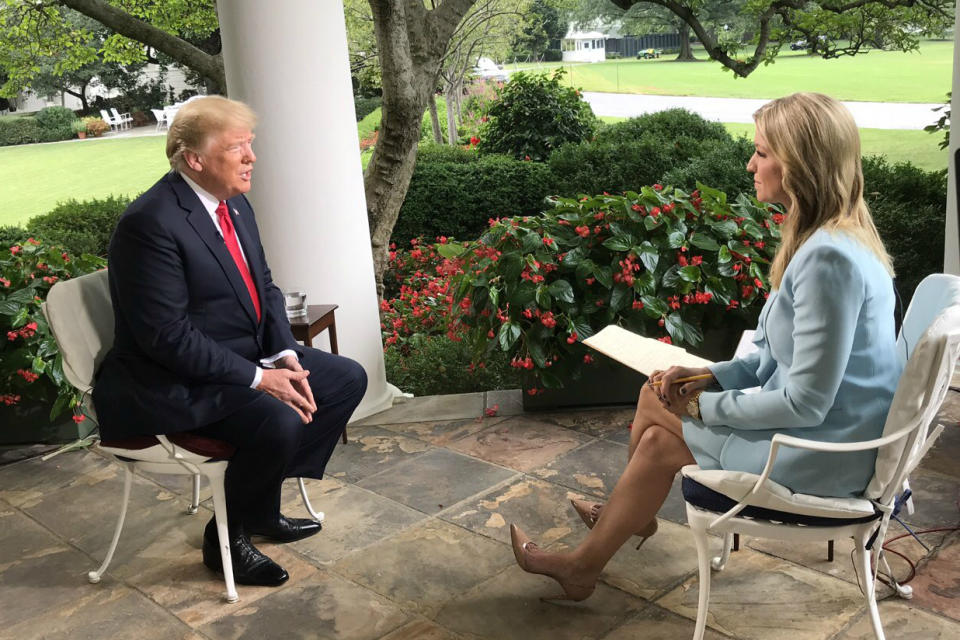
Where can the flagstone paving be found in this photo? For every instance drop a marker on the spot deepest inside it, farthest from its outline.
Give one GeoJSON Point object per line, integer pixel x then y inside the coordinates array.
{"type": "Point", "coordinates": [415, 545]}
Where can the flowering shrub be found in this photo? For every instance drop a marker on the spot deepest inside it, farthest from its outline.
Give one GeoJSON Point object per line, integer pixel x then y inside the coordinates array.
{"type": "Point", "coordinates": [30, 364]}
{"type": "Point", "coordinates": [424, 352]}
{"type": "Point", "coordinates": [661, 262]}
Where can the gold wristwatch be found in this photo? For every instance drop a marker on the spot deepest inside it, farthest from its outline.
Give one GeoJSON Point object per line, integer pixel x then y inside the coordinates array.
{"type": "Point", "coordinates": [693, 405]}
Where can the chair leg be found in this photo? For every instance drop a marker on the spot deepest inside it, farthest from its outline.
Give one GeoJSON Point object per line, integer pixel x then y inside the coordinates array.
{"type": "Point", "coordinates": [223, 535]}
{"type": "Point", "coordinates": [720, 561]}
{"type": "Point", "coordinates": [195, 499]}
{"type": "Point", "coordinates": [316, 515]}
{"type": "Point", "coordinates": [94, 576]}
{"type": "Point", "coordinates": [869, 583]}
{"type": "Point", "coordinates": [703, 562]}
{"type": "Point", "coordinates": [829, 550]}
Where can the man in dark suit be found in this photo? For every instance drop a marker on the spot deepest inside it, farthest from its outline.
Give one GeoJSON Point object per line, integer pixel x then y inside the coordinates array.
{"type": "Point", "coordinates": [203, 343]}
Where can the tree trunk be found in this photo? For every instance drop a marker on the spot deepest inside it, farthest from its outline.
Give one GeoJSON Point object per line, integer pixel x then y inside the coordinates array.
{"type": "Point", "coordinates": [435, 119]}
{"type": "Point", "coordinates": [451, 95]}
{"type": "Point", "coordinates": [685, 53]}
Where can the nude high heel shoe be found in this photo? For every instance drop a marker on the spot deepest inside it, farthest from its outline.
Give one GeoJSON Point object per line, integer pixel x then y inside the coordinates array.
{"type": "Point", "coordinates": [590, 511]}
{"type": "Point", "coordinates": [522, 549]}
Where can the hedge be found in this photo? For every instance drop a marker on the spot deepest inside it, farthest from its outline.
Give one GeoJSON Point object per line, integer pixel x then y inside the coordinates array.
{"type": "Point", "coordinates": [80, 227]}
{"type": "Point", "coordinates": [457, 198]}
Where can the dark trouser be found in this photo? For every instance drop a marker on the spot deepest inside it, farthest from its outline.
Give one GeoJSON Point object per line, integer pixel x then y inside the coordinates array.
{"type": "Point", "coordinates": [273, 443]}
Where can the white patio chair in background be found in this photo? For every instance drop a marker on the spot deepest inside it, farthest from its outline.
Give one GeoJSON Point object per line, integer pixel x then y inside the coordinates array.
{"type": "Point", "coordinates": [124, 119]}
{"type": "Point", "coordinates": [80, 314]}
{"type": "Point", "coordinates": [110, 120]}
{"type": "Point", "coordinates": [728, 502]}
{"type": "Point", "coordinates": [161, 117]}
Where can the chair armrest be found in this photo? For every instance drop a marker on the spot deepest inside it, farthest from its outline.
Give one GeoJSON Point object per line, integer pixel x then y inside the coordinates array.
{"type": "Point", "coordinates": [782, 439]}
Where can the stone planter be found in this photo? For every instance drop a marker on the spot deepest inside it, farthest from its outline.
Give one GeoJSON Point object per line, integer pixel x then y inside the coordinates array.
{"type": "Point", "coordinates": [30, 424]}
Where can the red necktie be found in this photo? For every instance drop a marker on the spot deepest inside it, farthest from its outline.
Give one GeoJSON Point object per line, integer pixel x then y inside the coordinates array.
{"type": "Point", "coordinates": [230, 239]}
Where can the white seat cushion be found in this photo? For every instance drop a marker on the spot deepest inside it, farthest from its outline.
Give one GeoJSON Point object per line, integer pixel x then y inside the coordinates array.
{"type": "Point", "coordinates": [737, 484]}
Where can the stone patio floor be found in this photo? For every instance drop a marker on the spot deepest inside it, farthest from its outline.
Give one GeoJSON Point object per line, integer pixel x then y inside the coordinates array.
{"type": "Point", "coordinates": [416, 545]}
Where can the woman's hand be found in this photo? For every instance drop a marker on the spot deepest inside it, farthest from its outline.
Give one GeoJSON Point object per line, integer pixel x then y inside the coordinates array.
{"type": "Point", "coordinates": [674, 395]}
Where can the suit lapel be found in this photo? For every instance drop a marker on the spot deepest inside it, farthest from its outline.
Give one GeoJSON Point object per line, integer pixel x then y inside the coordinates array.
{"type": "Point", "coordinates": [199, 219]}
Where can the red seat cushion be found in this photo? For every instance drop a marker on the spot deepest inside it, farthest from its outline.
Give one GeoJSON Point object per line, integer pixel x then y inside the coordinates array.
{"type": "Point", "coordinates": [200, 445]}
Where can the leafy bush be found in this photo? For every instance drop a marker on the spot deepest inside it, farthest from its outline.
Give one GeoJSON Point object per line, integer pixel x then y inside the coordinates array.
{"type": "Point", "coordinates": [53, 118]}
{"type": "Point", "coordinates": [552, 55]}
{"type": "Point", "coordinates": [533, 115]}
{"type": "Point", "coordinates": [364, 106]}
{"type": "Point", "coordinates": [430, 152]}
{"type": "Point", "coordinates": [457, 198]}
{"type": "Point", "coordinates": [10, 235]}
{"type": "Point", "coordinates": [669, 125]}
{"type": "Point", "coordinates": [95, 126]}
{"type": "Point", "coordinates": [721, 163]}
{"type": "Point", "coordinates": [613, 167]}
{"type": "Point", "coordinates": [80, 227]}
{"type": "Point", "coordinates": [660, 262]}
{"type": "Point", "coordinates": [30, 363]}
{"type": "Point", "coordinates": [908, 206]}
{"type": "Point", "coordinates": [434, 365]}
{"type": "Point", "coordinates": [20, 131]}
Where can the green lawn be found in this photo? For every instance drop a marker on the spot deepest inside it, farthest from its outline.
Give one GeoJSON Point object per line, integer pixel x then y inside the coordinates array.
{"type": "Point", "coordinates": [874, 76]}
{"type": "Point", "coordinates": [38, 176]}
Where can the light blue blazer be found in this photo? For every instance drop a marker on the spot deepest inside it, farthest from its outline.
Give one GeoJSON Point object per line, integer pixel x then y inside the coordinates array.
{"type": "Point", "coordinates": [827, 367]}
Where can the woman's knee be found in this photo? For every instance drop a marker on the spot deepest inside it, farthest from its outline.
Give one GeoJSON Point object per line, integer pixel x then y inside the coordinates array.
{"type": "Point", "coordinates": [661, 446]}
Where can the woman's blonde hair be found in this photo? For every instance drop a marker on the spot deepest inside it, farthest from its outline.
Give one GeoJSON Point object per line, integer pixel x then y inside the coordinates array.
{"type": "Point", "coordinates": [816, 142]}
{"type": "Point", "coordinates": [201, 118]}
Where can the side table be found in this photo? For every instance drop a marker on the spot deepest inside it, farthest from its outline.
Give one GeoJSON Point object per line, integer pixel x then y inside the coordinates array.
{"type": "Point", "coordinates": [319, 317]}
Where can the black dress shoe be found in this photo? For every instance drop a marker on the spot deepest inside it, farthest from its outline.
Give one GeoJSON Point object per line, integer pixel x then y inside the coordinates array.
{"type": "Point", "coordinates": [250, 567]}
{"type": "Point", "coordinates": [286, 529]}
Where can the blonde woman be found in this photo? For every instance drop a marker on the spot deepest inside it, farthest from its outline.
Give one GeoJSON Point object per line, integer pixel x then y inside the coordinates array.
{"type": "Point", "coordinates": [825, 362]}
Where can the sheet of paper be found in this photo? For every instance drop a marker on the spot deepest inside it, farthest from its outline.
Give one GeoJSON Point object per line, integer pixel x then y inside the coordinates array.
{"type": "Point", "coordinates": [646, 355]}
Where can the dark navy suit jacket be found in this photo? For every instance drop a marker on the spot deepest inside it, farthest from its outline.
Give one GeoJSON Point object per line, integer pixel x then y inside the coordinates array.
{"type": "Point", "coordinates": [187, 336]}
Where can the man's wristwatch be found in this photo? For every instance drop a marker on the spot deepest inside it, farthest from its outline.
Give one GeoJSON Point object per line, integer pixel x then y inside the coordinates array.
{"type": "Point", "coordinates": [693, 405]}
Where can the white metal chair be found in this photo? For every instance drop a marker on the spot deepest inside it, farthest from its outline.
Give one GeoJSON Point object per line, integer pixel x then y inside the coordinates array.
{"type": "Point", "coordinates": [125, 119]}
{"type": "Point", "coordinates": [110, 120]}
{"type": "Point", "coordinates": [161, 117]}
{"type": "Point", "coordinates": [80, 315]}
{"type": "Point", "coordinates": [729, 502]}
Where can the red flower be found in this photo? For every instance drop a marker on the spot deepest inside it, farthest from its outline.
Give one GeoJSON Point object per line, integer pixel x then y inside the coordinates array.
{"type": "Point", "coordinates": [4, 282]}
{"type": "Point", "coordinates": [474, 140]}
{"type": "Point", "coordinates": [590, 280]}
{"type": "Point", "coordinates": [665, 339]}
{"type": "Point", "coordinates": [583, 231]}
{"type": "Point", "coordinates": [15, 249]}
{"type": "Point", "coordinates": [658, 187]}
{"type": "Point", "coordinates": [696, 260]}
{"type": "Point", "coordinates": [777, 218]}
{"type": "Point", "coordinates": [637, 305]}
{"type": "Point", "coordinates": [491, 411]}
{"type": "Point", "coordinates": [681, 260]}
{"type": "Point", "coordinates": [655, 212]}
{"type": "Point", "coordinates": [548, 241]}
{"type": "Point", "coordinates": [10, 399]}
{"type": "Point", "coordinates": [12, 335]}
{"type": "Point", "coordinates": [572, 338]}
{"type": "Point", "coordinates": [587, 358]}
{"type": "Point", "coordinates": [79, 418]}
{"type": "Point", "coordinates": [526, 158]}
{"type": "Point", "coordinates": [29, 376]}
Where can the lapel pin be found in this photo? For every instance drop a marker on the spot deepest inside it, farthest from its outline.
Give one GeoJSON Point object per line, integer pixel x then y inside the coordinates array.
{"type": "Point", "coordinates": [236, 213]}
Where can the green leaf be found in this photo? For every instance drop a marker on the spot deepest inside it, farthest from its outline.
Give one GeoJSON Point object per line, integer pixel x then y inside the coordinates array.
{"type": "Point", "coordinates": [450, 250]}
{"type": "Point", "coordinates": [649, 255]}
{"type": "Point", "coordinates": [705, 242]}
{"type": "Point", "coordinates": [61, 403]}
{"type": "Point", "coordinates": [509, 332]}
{"type": "Point", "coordinates": [650, 223]}
{"type": "Point", "coordinates": [583, 328]}
{"type": "Point", "coordinates": [38, 365]}
{"type": "Point", "coordinates": [654, 307]}
{"type": "Point", "coordinates": [549, 380]}
{"type": "Point", "coordinates": [573, 258]}
{"type": "Point", "coordinates": [675, 240]}
{"type": "Point", "coordinates": [511, 264]}
{"type": "Point", "coordinates": [562, 290]}
{"type": "Point", "coordinates": [725, 228]}
{"type": "Point", "coordinates": [494, 296]}
{"type": "Point", "coordinates": [682, 331]}
{"type": "Point", "coordinates": [543, 297]}
{"type": "Point", "coordinates": [672, 277]}
{"type": "Point", "coordinates": [25, 295]}
{"type": "Point", "coordinates": [8, 308]}
{"type": "Point", "coordinates": [604, 276]}
{"type": "Point", "coordinates": [645, 282]}
{"type": "Point", "coordinates": [724, 255]}
{"type": "Point", "coordinates": [619, 243]}
{"type": "Point", "coordinates": [620, 297]}
{"type": "Point", "coordinates": [537, 353]}
{"type": "Point", "coordinates": [531, 241]}
{"type": "Point", "coordinates": [690, 273]}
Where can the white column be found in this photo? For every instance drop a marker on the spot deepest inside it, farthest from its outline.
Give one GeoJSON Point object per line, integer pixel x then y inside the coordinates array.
{"type": "Point", "coordinates": [951, 244]}
{"type": "Point", "coordinates": [288, 60]}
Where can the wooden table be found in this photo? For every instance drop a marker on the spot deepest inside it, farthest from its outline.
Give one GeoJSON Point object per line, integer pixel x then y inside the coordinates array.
{"type": "Point", "coordinates": [319, 317]}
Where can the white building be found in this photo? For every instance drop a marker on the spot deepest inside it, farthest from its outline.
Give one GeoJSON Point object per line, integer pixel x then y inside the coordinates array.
{"type": "Point", "coordinates": [584, 46]}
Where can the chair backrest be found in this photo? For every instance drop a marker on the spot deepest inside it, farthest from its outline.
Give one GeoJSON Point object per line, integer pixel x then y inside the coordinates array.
{"type": "Point", "coordinates": [116, 114]}
{"type": "Point", "coordinates": [80, 314]}
{"type": "Point", "coordinates": [934, 294]}
{"type": "Point", "coordinates": [158, 114]}
{"type": "Point", "coordinates": [922, 389]}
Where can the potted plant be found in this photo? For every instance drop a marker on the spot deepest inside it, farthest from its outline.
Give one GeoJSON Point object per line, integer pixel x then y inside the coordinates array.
{"type": "Point", "coordinates": [33, 390]}
{"type": "Point", "coordinates": [660, 262]}
{"type": "Point", "coordinates": [95, 126]}
{"type": "Point", "coordinates": [79, 128]}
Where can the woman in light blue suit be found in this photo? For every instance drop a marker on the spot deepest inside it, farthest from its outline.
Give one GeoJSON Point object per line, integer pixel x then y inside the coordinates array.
{"type": "Point", "coordinates": [826, 363]}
